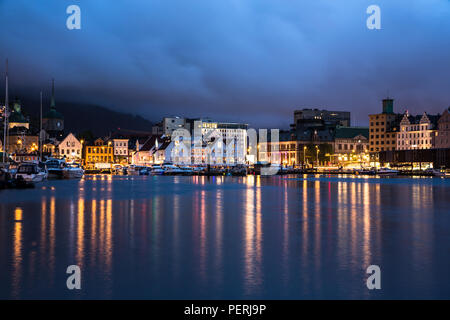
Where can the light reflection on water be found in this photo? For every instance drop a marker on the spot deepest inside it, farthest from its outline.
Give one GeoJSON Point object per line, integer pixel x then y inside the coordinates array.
{"type": "Point", "coordinates": [226, 237]}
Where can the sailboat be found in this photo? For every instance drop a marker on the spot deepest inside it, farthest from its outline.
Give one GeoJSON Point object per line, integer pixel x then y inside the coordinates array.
{"type": "Point", "coordinates": [5, 128]}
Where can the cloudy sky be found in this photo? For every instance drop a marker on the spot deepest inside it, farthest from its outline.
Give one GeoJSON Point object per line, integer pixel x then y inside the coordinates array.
{"type": "Point", "coordinates": [253, 61]}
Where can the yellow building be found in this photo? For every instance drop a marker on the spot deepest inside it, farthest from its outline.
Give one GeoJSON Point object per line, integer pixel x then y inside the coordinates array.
{"type": "Point", "coordinates": [286, 152]}
{"type": "Point", "coordinates": [98, 153]}
{"type": "Point", "coordinates": [383, 128]}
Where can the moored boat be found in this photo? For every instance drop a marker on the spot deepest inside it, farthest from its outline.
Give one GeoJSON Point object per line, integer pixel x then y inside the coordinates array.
{"type": "Point", "coordinates": [157, 170]}
{"type": "Point", "coordinates": [435, 172]}
{"type": "Point", "coordinates": [134, 170]}
{"type": "Point", "coordinates": [386, 172]}
{"type": "Point", "coordinates": [30, 173]}
{"type": "Point", "coordinates": [119, 169]}
{"type": "Point", "coordinates": [73, 171]}
{"type": "Point", "coordinates": [55, 168]}
{"type": "Point", "coordinates": [172, 170]}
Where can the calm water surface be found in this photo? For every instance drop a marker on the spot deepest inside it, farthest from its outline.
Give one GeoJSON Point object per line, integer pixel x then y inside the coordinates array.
{"type": "Point", "coordinates": [227, 237]}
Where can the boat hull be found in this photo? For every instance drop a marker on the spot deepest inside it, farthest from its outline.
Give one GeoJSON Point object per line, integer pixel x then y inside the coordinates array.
{"type": "Point", "coordinates": [55, 173]}
{"type": "Point", "coordinates": [73, 174]}
{"type": "Point", "coordinates": [32, 178]}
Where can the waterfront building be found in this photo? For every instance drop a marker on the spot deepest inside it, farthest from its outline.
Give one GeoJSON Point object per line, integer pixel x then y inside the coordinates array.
{"type": "Point", "coordinates": [351, 146]}
{"type": "Point", "coordinates": [288, 153]}
{"type": "Point", "coordinates": [233, 135]}
{"type": "Point", "coordinates": [351, 140]}
{"type": "Point", "coordinates": [53, 121]}
{"type": "Point", "coordinates": [234, 139]}
{"type": "Point", "coordinates": [100, 152]}
{"type": "Point", "coordinates": [22, 143]}
{"type": "Point", "coordinates": [317, 127]}
{"type": "Point", "coordinates": [139, 142]}
{"type": "Point", "coordinates": [144, 154]}
{"type": "Point", "coordinates": [127, 143]}
{"type": "Point", "coordinates": [157, 149]}
{"type": "Point", "coordinates": [163, 152]}
{"type": "Point", "coordinates": [418, 159]}
{"type": "Point", "coordinates": [417, 132]}
{"type": "Point", "coordinates": [200, 153]}
{"type": "Point", "coordinates": [383, 128]}
{"type": "Point", "coordinates": [21, 140]}
{"type": "Point", "coordinates": [70, 148]}
{"type": "Point", "coordinates": [180, 151]}
{"type": "Point", "coordinates": [295, 153]}
{"type": "Point", "coordinates": [120, 147]}
{"type": "Point", "coordinates": [310, 139]}
{"type": "Point", "coordinates": [442, 140]}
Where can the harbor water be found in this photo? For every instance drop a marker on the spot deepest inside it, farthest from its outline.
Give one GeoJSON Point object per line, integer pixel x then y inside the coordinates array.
{"type": "Point", "coordinates": [193, 237]}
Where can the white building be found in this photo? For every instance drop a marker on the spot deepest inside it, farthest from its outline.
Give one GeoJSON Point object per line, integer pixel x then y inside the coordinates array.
{"type": "Point", "coordinates": [417, 132]}
{"type": "Point", "coordinates": [120, 149]}
{"type": "Point", "coordinates": [70, 148]}
{"type": "Point", "coordinates": [234, 140]}
{"type": "Point", "coordinates": [155, 150]}
{"type": "Point", "coordinates": [162, 153]}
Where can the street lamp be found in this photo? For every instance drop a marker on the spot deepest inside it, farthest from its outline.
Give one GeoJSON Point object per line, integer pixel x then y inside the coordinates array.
{"type": "Point", "coordinates": [82, 147]}
{"type": "Point", "coordinates": [304, 155]}
{"type": "Point", "coordinates": [317, 155]}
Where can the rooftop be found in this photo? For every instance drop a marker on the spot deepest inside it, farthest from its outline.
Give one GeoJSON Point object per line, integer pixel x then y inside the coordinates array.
{"type": "Point", "coordinates": [351, 132]}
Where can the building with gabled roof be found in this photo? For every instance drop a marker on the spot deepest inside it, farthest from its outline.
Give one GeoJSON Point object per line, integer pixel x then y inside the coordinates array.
{"type": "Point", "coordinates": [162, 153]}
{"type": "Point", "coordinates": [144, 150]}
{"type": "Point", "coordinates": [351, 140]}
{"type": "Point", "coordinates": [417, 132]}
{"type": "Point", "coordinates": [442, 140]}
{"type": "Point", "coordinates": [70, 148]}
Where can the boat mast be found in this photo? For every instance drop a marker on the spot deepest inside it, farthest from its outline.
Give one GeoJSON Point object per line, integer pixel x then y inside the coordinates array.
{"type": "Point", "coordinates": [5, 129]}
{"type": "Point", "coordinates": [40, 133]}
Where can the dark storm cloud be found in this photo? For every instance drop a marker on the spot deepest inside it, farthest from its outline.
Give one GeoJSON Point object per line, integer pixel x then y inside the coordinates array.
{"type": "Point", "coordinates": [245, 60]}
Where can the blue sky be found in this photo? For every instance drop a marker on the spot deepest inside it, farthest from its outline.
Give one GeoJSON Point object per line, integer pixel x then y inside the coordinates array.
{"type": "Point", "coordinates": [238, 60]}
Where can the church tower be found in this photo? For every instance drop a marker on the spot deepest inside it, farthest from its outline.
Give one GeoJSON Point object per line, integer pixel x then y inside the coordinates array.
{"type": "Point", "coordinates": [53, 121]}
